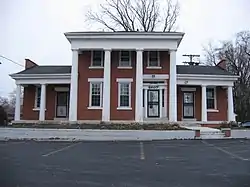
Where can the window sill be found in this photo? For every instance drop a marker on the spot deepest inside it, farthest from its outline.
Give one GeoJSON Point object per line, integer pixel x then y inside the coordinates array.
{"type": "Point", "coordinates": [153, 67]}
{"type": "Point", "coordinates": [95, 108]}
{"type": "Point", "coordinates": [96, 67]}
{"type": "Point", "coordinates": [212, 110]}
{"type": "Point", "coordinates": [37, 109]}
{"type": "Point", "coordinates": [124, 108]}
{"type": "Point", "coordinates": [120, 67]}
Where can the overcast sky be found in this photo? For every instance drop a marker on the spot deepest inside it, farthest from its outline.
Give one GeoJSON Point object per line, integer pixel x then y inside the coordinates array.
{"type": "Point", "coordinates": [34, 29]}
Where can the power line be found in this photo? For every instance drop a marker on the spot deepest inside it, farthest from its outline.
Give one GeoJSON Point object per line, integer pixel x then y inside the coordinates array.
{"type": "Point", "coordinates": [11, 61]}
{"type": "Point", "coordinates": [191, 57]}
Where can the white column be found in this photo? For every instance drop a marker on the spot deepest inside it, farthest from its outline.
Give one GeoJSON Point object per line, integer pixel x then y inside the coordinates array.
{"type": "Point", "coordinates": [106, 86]}
{"type": "Point", "coordinates": [73, 87]}
{"type": "Point", "coordinates": [230, 105]}
{"type": "Point", "coordinates": [42, 103]}
{"type": "Point", "coordinates": [203, 103]}
{"type": "Point", "coordinates": [172, 88]}
{"type": "Point", "coordinates": [160, 99]}
{"type": "Point", "coordinates": [139, 86]}
{"type": "Point", "coordinates": [17, 106]}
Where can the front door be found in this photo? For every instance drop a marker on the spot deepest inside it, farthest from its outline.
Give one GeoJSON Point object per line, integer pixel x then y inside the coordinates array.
{"type": "Point", "coordinates": [153, 104]}
{"type": "Point", "coordinates": [62, 104]}
{"type": "Point", "coordinates": [188, 105]}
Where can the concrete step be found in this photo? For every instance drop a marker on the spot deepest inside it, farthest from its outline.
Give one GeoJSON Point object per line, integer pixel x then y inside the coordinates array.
{"type": "Point", "coordinates": [212, 135]}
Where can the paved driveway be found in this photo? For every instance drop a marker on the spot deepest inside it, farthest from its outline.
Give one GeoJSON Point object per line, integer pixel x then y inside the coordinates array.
{"type": "Point", "coordinates": [189, 163]}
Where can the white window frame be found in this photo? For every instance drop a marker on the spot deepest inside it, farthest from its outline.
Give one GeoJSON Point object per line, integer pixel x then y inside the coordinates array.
{"type": "Point", "coordinates": [120, 60]}
{"type": "Point", "coordinates": [122, 81]}
{"type": "Point", "coordinates": [159, 61]}
{"type": "Point", "coordinates": [91, 82]}
{"type": "Point", "coordinates": [36, 97]}
{"type": "Point", "coordinates": [215, 100]}
{"type": "Point", "coordinates": [102, 60]}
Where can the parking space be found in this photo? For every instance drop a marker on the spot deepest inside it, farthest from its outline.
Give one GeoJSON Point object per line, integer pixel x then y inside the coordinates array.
{"type": "Point", "coordinates": [126, 164]}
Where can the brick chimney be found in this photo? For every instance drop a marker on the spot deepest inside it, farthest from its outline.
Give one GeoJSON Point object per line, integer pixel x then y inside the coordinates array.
{"type": "Point", "coordinates": [222, 64]}
{"type": "Point", "coordinates": [29, 63]}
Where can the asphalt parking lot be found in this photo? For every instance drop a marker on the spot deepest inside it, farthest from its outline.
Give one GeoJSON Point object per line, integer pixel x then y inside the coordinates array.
{"type": "Point", "coordinates": [175, 163]}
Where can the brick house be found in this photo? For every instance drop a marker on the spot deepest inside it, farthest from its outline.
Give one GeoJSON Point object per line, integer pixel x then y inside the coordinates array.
{"type": "Point", "coordinates": [125, 76]}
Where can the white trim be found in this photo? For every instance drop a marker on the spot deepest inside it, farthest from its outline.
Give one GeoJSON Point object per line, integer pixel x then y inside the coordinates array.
{"type": "Point", "coordinates": [43, 81]}
{"type": "Point", "coordinates": [40, 76]}
{"type": "Point", "coordinates": [232, 77]}
{"type": "Point", "coordinates": [124, 108]}
{"type": "Point", "coordinates": [212, 110]}
{"type": "Point", "coordinates": [119, 92]}
{"type": "Point", "coordinates": [37, 109]}
{"type": "Point", "coordinates": [186, 89]}
{"type": "Point", "coordinates": [61, 89]}
{"type": "Point", "coordinates": [92, 56]}
{"type": "Point", "coordinates": [215, 97]}
{"type": "Point", "coordinates": [90, 95]}
{"type": "Point", "coordinates": [153, 67]}
{"type": "Point", "coordinates": [95, 79]}
{"type": "Point", "coordinates": [96, 67]}
{"type": "Point", "coordinates": [94, 108]}
{"type": "Point", "coordinates": [155, 76]}
{"type": "Point", "coordinates": [158, 60]}
{"type": "Point", "coordinates": [125, 80]}
{"type": "Point", "coordinates": [124, 67]}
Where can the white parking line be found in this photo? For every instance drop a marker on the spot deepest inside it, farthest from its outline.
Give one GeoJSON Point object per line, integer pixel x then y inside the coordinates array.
{"type": "Point", "coordinates": [142, 155]}
{"type": "Point", "coordinates": [59, 150]}
{"type": "Point", "coordinates": [225, 151]}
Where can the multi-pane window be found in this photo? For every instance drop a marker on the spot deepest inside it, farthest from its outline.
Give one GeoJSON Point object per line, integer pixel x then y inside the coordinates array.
{"type": "Point", "coordinates": [124, 94]}
{"type": "Point", "coordinates": [96, 95]}
{"type": "Point", "coordinates": [153, 59]}
{"type": "Point", "coordinates": [125, 59]}
{"type": "Point", "coordinates": [210, 98]}
{"type": "Point", "coordinates": [38, 97]}
{"type": "Point", "coordinates": [97, 58]}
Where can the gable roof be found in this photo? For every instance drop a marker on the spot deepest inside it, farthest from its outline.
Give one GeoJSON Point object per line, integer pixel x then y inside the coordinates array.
{"type": "Point", "coordinates": [201, 70]}
{"type": "Point", "coordinates": [181, 69]}
{"type": "Point", "coordinates": [46, 70]}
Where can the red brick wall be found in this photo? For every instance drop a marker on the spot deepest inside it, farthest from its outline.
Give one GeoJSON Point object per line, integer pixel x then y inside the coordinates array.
{"type": "Point", "coordinates": [197, 102]}
{"type": "Point", "coordinates": [83, 113]}
{"type": "Point", "coordinates": [29, 103]}
{"type": "Point", "coordinates": [221, 95]}
{"type": "Point", "coordinates": [165, 66]}
{"type": "Point", "coordinates": [122, 73]}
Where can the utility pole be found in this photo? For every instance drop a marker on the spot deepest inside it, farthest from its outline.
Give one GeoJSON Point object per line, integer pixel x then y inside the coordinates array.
{"type": "Point", "coordinates": [191, 57]}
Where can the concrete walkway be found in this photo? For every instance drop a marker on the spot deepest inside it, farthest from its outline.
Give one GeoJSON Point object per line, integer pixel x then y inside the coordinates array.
{"type": "Point", "coordinates": [202, 129]}
{"type": "Point", "coordinates": [91, 135]}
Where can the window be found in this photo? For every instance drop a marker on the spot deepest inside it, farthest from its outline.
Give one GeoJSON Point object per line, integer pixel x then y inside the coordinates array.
{"type": "Point", "coordinates": [153, 59]}
{"type": "Point", "coordinates": [211, 98]}
{"type": "Point", "coordinates": [163, 92]}
{"type": "Point", "coordinates": [124, 94]}
{"type": "Point", "coordinates": [38, 97]}
{"type": "Point", "coordinates": [96, 94]}
{"type": "Point", "coordinates": [97, 58]}
{"type": "Point", "coordinates": [125, 59]}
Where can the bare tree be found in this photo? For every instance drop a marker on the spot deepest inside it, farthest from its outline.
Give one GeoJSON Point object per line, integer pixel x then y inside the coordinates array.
{"type": "Point", "coordinates": [237, 55]}
{"type": "Point", "coordinates": [136, 15]}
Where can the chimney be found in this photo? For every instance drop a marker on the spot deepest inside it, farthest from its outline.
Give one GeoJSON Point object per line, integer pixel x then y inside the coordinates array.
{"type": "Point", "coordinates": [222, 64]}
{"type": "Point", "coordinates": [29, 63]}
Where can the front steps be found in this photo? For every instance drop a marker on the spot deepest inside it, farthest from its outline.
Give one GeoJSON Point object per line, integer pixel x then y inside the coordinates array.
{"type": "Point", "coordinates": [212, 135]}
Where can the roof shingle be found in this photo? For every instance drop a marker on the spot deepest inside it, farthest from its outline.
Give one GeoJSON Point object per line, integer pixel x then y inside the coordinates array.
{"type": "Point", "coordinates": [181, 69]}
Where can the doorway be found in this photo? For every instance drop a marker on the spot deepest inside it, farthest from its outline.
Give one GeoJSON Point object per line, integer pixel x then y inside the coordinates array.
{"type": "Point", "coordinates": [188, 105]}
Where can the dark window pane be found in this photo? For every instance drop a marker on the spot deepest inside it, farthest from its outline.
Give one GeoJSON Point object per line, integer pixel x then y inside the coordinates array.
{"type": "Point", "coordinates": [38, 97]}
{"type": "Point", "coordinates": [97, 58]}
{"type": "Point", "coordinates": [210, 104]}
{"type": "Point", "coordinates": [124, 101]}
{"type": "Point", "coordinates": [96, 101]}
{"type": "Point", "coordinates": [153, 58]}
{"type": "Point", "coordinates": [143, 92]}
{"type": "Point", "coordinates": [163, 92]}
